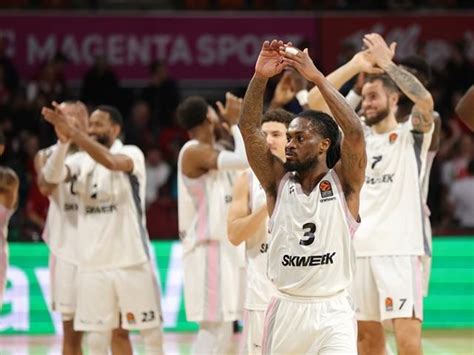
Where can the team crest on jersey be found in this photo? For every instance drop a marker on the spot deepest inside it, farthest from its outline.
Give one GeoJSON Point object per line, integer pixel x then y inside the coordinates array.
{"type": "Point", "coordinates": [392, 138]}
{"type": "Point", "coordinates": [388, 304]}
{"type": "Point", "coordinates": [326, 189]}
{"type": "Point", "coordinates": [130, 318]}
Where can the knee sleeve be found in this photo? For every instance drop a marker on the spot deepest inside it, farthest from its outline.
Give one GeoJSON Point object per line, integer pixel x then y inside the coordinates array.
{"type": "Point", "coordinates": [99, 342]}
{"type": "Point", "coordinates": [153, 340]}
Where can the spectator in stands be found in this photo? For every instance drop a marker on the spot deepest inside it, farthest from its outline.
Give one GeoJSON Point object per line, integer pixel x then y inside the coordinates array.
{"type": "Point", "coordinates": [100, 85]}
{"type": "Point", "coordinates": [138, 127]}
{"type": "Point", "coordinates": [11, 79]}
{"type": "Point", "coordinates": [162, 95]}
{"type": "Point", "coordinates": [461, 198]}
{"type": "Point", "coordinates": [157, 173]}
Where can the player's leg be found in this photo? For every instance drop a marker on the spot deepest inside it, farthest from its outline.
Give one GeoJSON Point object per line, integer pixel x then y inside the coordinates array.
{"type": "Point", "coordinates": [139, 299]}
{"type": "Point", "coordinates": [253, 331]}
{"type": "Point", "coordinates": [408, 336]}
{"type": "Point", "coordinates": [121, 342]}
{"type": "Point", "coordinates": [213, 337]}
{"type": "Point", "coordinates": [72, 340]}
{"type": "Point", "coordinates": [400, 284]}
{"type": "Point", "coordinates": [63, 293]}
{"type": "Point", "coordinates": [337, 331]}
{"type": "Point", "coordinates": [97, 310]}
{"type": "Point", "coordinates": [370, 334]}
{"type": "Point", "coordinates": [98, 342]}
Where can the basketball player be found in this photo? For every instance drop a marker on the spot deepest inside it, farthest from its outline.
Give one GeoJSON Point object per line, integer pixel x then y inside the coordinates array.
{"type": "Point", "coordinates": [247, 222]}
{"type": "Point", "coordinates": [115, 273]}
{"type": "Point", "coordinates": [465, 108]}
{"type": "Point", "coordinates": [421, 70]}
{"type": "Point", "coordinates": [60, 234]}
{"type": "Point", "coordinates": [9, 184]}
{"type": "Point", "coordinates": [313, 212]}
{"type": "Point", "coordinates": [388, 284]}
{"type": "Point", "coordinates": [389, 242]}
{"type": "Point", "coordinates": [212, 272]}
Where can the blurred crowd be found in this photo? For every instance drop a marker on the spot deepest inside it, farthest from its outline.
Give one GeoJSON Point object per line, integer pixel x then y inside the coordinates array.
{"type": "Point", "coordinates": [150, 123]}
{"type": "Point", "coordinates": [252, 5]}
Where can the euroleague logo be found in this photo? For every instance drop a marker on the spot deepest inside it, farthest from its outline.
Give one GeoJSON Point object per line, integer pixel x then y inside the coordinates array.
{"type": "Point", "coordinates": [325, 188]}
{"type": "Point", "coordinates": [388, 304]}
{"type": "Point", "coordinates": [392, 138]}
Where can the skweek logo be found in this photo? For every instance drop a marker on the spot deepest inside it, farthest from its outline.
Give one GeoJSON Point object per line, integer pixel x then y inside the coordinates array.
{"type": "Point", "coordinates": [325, 188]}
{"type": "Point", "coordinates": [308, 260]}
{"type": "Point", "coordinates": [389, 304]}
{"type": "Point", "coordinates": [384, 179]}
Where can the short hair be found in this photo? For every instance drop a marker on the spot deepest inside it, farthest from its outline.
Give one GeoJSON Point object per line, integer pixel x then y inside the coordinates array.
{"type": "Point", "coordinates": [387, 82]}
{"type": "Point", "coordinates": [192, 112]}
{"type": "Point", "coordinates": [327, 128]}
{"type": "Point", "coordinates": [278, 115]}
{"type": "Point", "coordinates": [114, 114]}
{"type": "Point", "coordinates": [420, 67]}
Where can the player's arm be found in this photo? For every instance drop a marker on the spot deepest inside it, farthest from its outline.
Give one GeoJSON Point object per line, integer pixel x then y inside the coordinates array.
{"type": "Point", "coordinates": [44, 187]}
{"type": "Point", "coordinates": [436, 138]}
{"type": "Point", "coordinates": [241, 222]}
{"type": "Point", "coordinates": [97, 151]}
{"type": "Point", "coordinates": [351, 167]}
{"type": "Point", "coordinates": [422, 111]}
{"type": "Point", "coordinates": [465, 108]}
{"type": "Point", "coordinates": [360, 62]}
{"type": "Point", "coordinates": [268, 169]}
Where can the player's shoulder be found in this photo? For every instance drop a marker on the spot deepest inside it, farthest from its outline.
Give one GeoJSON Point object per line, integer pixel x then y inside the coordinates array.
{"type": "Point", "coordinates": [130, 149]}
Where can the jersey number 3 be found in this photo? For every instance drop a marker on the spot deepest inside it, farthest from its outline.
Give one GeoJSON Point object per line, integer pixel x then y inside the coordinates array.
{"type": "Point", "coordinates": [310, 229]}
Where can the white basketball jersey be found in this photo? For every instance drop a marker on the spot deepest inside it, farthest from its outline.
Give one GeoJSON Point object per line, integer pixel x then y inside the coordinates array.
{"type": "Point", "coordinates": [60, 231]}
{"type": "Point", "coordinates": [391, 205]}
{"type": "Point", "coordinates": [310, 253]}
{"type": "Point", "coordinates": [425, 184]}
{"type": "Point", "coordinates": [203, 204]}
{"type": "Point", "coordinates": [259, 288]}
{"type": "Point", "coordinates": [112, 227]}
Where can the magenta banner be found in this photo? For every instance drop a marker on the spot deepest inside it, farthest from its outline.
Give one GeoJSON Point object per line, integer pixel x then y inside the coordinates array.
{"type": "Point", "coordinates": [199, 48]}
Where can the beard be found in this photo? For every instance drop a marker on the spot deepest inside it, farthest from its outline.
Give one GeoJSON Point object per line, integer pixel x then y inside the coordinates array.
{"type": "Point", "coordinates": [103, 139]}
{"type": "Point", "coordinates": [380, 116]}
{"type": "Point", "coordinates": [301, 166]}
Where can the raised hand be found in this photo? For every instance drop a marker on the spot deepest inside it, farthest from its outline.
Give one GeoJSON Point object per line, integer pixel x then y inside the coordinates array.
{"type": "Point", "coordinates": [365, 62]}
{"type": "Point", "coordinates": [231, 111]}
{"type": "Point", "coordinates": [301, 62]}
{"type": "Point", "coordinates": [270, 61]}
{"type": "Point", "coordinates": [58, 119]}
{"type": "Point", "coordinates": [381, 52]}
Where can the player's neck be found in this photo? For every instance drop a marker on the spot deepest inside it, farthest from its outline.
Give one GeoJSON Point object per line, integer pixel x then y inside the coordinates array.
{"type": "Point", "coordinates": [203, 135]}
{"type": "Point", "coordinates": [309, 179]}
{"type": "Point", "coordinates": [388, 124]}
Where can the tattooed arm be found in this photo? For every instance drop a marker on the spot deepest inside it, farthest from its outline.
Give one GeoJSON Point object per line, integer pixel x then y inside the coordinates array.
{"type": "Point", "coordinates": [268, 169]}
{"type": "Point", "coordinates": [351, 167]}
{"type": "Point", "coordinates": [422, 112]}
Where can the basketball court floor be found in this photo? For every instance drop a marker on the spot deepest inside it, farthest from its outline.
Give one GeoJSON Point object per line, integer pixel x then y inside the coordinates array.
{"type": "Point", "coordinates": [435, 342]}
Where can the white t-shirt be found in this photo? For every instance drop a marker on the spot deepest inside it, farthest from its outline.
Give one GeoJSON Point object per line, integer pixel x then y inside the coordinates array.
{"type": "Point", "coordinates": [112, 228]}
{"type": "Point", "coordinates": [310, 252]}
{"type": "Point", "coordinates": [259, 288]}
{"type": "Point", "coordinates": [60, 231]}
{"type": "Point", "coordinates": [391, 206]}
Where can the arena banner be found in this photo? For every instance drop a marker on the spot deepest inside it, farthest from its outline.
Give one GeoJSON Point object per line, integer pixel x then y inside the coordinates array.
{"type": "Point", "coordinates": [27, 310]}
{"type": "Point", "coordinates": [428, 35]}
{"type": "Point", "coordinates": [196, 47]}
